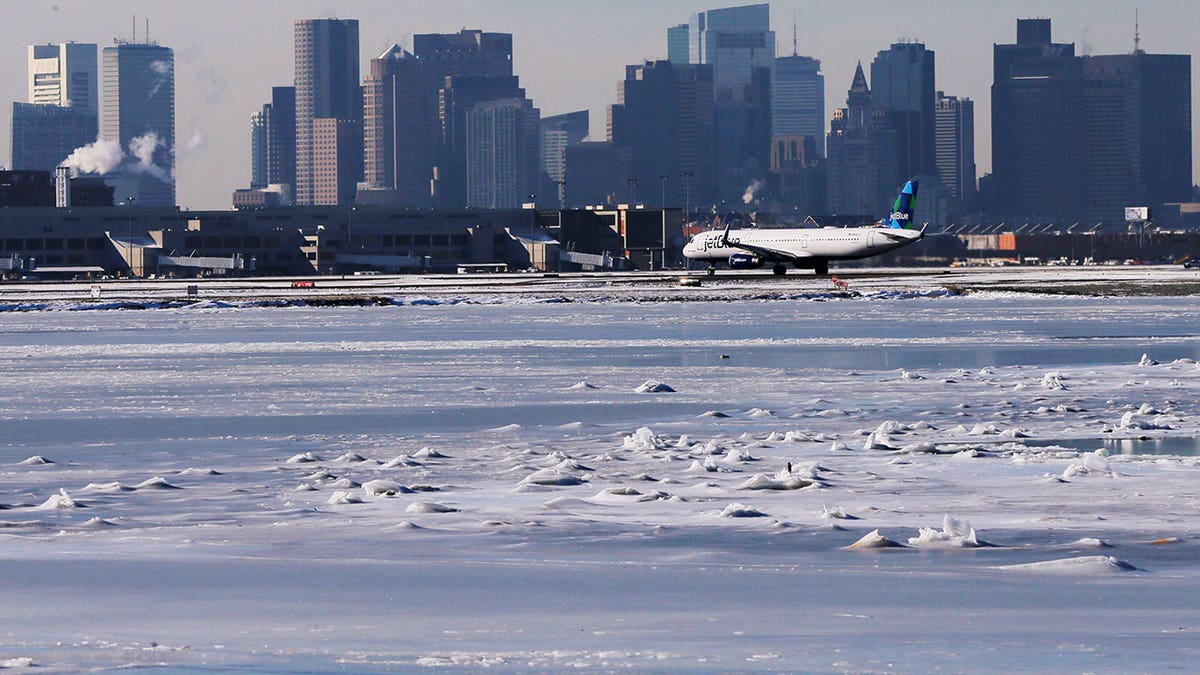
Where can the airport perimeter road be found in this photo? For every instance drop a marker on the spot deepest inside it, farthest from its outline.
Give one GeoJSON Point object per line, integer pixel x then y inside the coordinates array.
{"type": "Point", "coordinates": [662, 285]}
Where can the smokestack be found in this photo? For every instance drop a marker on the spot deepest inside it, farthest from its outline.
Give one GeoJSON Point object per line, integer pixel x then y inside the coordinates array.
{"type": "Point", "coordinates": [62, 187]}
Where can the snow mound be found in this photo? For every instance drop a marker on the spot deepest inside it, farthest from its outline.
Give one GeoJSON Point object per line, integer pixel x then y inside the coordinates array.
{"type": "Point", "coordinates": [736, 510]}
{"type": "Point", "coordinates": [552, 477]}
{"type": "Point", "coordinates": [1053, 382]}
{"type": "Point", "coordinates": [652, 387]}
{"type": "Point", "coordinates": [759, 413]}
{"type": "Point", "coordinates": [837, 513]}
{"type": "Point", "coordinates": [351, 457]}
{"type": "Point", "coordinates": [156, 483]}
{"type": "Point", "coordinates": [761, 481]}
{"type": "Point", "coordinates": [1084, 565]}
{"type": "Point", "coordinates": [644, 440]}
{"type": "Point", "coordinates": [22, 662]}
{"type": "Point", "coordinates": [62, 500]}
{"type": "Point", "coordinates": [707, 467]}
{"type": "Point", "coordinates": [920, 448]}
{"type": "Point", "coordinates": [36, 460]}
{"type": "Point", "coordinates": [98, 523]}
{"type": "Point", "coordinates": [400, 461]}
{"type": "Point", "coordinates": [1089, 542]}
{"type": "Point", "coordinates": [430, 507]}
{"type": "Point", "coordinates": [429, 453]}
{"type": "Point", "coordinates": [582, 386]}
{"type": "Point", "coordinates": [345, 484]}
{"type": "Point", "coordinates": [343, 497]}
{"type": "Point", "coordinates": [384, 488]}
{"type": "Point", "coordinates": [1091, 464]}
{"type": "Point", "coordinates": [955, 533]}
{"type": "Point", "coordinates": [192, 471]}
{"type": "Point", "coordinates": [1135, 420]}
{"type": "Point", "coordinates": [874, 540]}
{"type": "Point", "coordinates": [106, 487]}
{"type": "Point", "coordinates": [303, 458]}
{"type": "Point", "coordinates": [713, 413]}
{"type": "Point", "coordinates": [1147, 361]}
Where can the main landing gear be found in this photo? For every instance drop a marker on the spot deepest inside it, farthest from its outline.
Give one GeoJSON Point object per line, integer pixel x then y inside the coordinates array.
{"type": "Point", "coordinates": [779, 269]}
{"type": "Point", "coordinates": [711, 270]}
{"type": "Point", "coordinates": [822, 269]}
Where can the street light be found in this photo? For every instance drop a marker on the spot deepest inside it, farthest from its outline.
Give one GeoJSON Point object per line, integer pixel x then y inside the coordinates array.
{"type": "Point", "coordinates": [687, 182]}
{"type": "Point", "coordinates": [129, 233]}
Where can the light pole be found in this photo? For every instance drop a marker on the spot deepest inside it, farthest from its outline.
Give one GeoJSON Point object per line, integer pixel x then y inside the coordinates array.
{"type": "Point", "coordinates": [532, 222]}
{"type": "Point", "coordinates": [687, 184]}
{"type": "Point", "coordinates": [129, 233]}
{"type": "Point", "coordinates": [663, 181]}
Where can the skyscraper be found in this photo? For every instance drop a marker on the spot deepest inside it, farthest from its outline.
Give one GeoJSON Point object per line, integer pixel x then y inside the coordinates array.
{"type": "Point", "coordinates": [258, 150]}
{"type": "Point", "coordinates": [798, 99]}
{"type": "Point", "coordinates": [327, 86]}
{"type": "Point", "coordinates": [279, 120]}
{"type": "Point", "coordinates": [1136, 132]}
{"type": "Point", "coordinates": [466, 69]}
{"type": "Point", "coordinates": [954, 136]}
{"type": "Point", "coordinates": [401, 127]}
{"type": "Point", "coordinates": [337, 160]}
{"type": "Point", "coordinates": [862, 154]}
{"type": "Point", "coordinates": [1037, 91]}
{"type": "Point", "coordinates": [560, 132]}
{"type": "Point", "coordinates": [902, 86]}
{"type": "Point", "coordinates": [740, 46]}
{"type": "Point", "coordinates": [65, 75]}
{"type": "Point", "coordinates": [502, 153]}
{"type": "Point", "coordinates": [1083, 137]}
{"type": "Point", "coordinates": [139, 115]}
{"type": "Point", "coordinates": [664, 116]}
{"type": "Point", "coordinates": [62, 112]}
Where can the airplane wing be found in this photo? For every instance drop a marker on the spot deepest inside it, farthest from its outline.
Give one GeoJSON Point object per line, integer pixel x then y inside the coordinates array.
{"type": "Point", "coordinates": [767, 253]}
{"type": "Point", "coordinates": [891, 234]}
{"type": "Point", "coordinates": [764, 252]}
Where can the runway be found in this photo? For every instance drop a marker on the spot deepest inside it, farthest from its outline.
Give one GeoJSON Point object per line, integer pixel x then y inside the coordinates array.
{"type": "Point", "coordinates": [681, 285]}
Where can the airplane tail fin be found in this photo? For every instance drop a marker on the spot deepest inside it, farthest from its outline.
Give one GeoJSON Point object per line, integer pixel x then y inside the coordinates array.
{"type": "Point", "coordinates": [902, 211]}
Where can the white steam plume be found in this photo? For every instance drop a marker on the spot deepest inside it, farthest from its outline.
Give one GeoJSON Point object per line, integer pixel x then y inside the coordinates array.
{"type": "Point", "coordinates": [143, 148]}
{"type": "Point", "coordinates": [99, 157]}
{"type": "Point", "coordinates": [751, 190]}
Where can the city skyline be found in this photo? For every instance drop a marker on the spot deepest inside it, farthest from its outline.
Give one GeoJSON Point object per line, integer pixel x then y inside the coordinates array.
{"type": "Point", "coordinates": [566, 56]}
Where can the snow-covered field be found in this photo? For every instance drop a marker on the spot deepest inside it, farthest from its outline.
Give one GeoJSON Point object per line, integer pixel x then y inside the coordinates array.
{"type": "Point", "coordinates": [902, 482]}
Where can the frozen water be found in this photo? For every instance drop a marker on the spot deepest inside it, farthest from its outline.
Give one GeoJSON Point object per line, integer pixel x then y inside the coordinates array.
{"type": "Point", "coordinates": [427, 486]}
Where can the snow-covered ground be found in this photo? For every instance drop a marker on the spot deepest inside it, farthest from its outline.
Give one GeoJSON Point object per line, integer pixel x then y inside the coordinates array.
{"type": "Point", "coordinates": [890, 482]}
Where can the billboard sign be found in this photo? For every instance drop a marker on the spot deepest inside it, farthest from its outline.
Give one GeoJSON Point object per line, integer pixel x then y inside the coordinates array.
{"type": "Point", "coordinates": [1136, 213]}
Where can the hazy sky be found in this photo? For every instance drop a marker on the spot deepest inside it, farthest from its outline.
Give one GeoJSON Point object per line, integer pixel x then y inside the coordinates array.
{"type": "Point", "coordinates": [569, 54]}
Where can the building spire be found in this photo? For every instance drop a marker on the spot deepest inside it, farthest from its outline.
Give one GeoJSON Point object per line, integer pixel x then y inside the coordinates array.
{"type": "Point", "coordinates": [795, 37]}
{"type": "Point", "coordinates": [1137, 35]}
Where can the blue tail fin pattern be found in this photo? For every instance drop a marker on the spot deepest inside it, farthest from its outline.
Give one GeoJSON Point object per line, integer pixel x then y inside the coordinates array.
{"type": "Point", "coordinates": [902, 211]}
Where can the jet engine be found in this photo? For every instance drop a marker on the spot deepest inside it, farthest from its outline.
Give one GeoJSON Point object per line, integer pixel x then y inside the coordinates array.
{"type": "Point", "coordinates": [744, 261]}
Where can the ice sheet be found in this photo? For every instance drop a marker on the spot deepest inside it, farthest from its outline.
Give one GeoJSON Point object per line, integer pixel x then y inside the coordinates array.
{"type": "Point", "coordinates": [427, 487]}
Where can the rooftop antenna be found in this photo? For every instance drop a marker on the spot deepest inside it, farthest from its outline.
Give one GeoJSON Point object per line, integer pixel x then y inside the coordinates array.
{"type": "Point", "coordinates": [1137, 35]}
{"type": "Point", "coordinates": [133, 24]}
{"type": "Point", "coordinates": [147, 37]}
{"type": "Point", "coordinates": [795, 40]}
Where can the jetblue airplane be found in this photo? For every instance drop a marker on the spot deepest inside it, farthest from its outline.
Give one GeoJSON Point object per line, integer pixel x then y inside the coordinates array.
{"type": "Point", "coordinates": [807, 248]}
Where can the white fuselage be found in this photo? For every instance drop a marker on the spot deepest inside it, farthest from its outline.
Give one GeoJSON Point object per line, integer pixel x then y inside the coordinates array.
{"type": "Point", "coordinates": [828, 243]}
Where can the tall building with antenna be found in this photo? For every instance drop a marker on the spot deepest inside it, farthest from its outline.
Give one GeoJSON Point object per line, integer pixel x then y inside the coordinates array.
{"type": "Point", "coordinates": [138, 112]}
{"type": "Point", "coordinates": [798, 97]}
{"type": "Point", "coordinates": [1081, 137]}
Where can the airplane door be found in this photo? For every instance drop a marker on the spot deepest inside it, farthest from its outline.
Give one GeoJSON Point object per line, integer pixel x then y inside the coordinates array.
{"type": "Point", "coordinates": [804, 242]}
